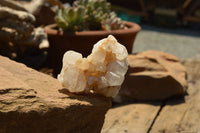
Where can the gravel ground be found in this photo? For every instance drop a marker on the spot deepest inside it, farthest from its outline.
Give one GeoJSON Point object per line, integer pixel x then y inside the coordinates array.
{"type": "Point", "coordinates": [183, 43]}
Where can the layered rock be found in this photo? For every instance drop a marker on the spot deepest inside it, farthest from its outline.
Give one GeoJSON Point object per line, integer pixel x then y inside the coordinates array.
{"type": "Point", "coordinates": [32, 102]}
{"type": "Point", "coordinates": [153, 75]}
{"type": "Point", "coordinates": [102, 71]}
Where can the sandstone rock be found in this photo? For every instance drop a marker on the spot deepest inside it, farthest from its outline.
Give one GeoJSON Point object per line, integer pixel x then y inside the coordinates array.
{"type": "Point", "coordinates": [102, 71]}
{"type": "Point", "coordinates": [32, 102]}
{"type": "Point", "coordinates": [153, 75]}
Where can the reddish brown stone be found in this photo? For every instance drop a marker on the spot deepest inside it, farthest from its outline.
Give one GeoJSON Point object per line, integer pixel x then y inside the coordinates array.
{"type": "Point", "coordinates": [32, 102]}
{"type": "Point", "coordinates": [153, 75]}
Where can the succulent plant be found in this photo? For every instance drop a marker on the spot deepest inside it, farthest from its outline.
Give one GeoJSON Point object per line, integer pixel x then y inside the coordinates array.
{"type": "Point", "coordinates": [71, 19]}
{"type": "Point", "coordinates": [112, 23]}
{"type": "Point", "coordinates": [88, 15]}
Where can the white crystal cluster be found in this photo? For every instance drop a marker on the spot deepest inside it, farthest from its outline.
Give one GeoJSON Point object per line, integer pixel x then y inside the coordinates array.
{"type": "Point", "coordinates": [102, 71]}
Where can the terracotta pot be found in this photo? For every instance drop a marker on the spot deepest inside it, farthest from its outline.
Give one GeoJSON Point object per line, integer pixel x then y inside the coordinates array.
{"type": "Point", "coordinates": [83, 41]}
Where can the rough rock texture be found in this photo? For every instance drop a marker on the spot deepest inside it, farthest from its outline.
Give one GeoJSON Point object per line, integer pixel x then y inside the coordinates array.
{"type": "Point", "coordinates": [32, 102]}
{"type": "Point", "coordinates": [153, 75]}
{"type": "Point", "coordinates": [103, 71]}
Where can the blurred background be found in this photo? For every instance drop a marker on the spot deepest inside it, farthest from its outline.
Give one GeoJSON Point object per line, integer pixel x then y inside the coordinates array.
{"type": "Point", "coordinates": [171, 26]}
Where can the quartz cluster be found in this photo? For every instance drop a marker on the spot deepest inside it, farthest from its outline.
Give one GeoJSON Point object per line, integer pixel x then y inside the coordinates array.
{"type": "Point", "coordinates": [102, 71]}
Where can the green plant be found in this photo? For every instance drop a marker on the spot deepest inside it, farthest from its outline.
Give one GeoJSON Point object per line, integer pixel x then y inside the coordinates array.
{"type": "Point", "coordinates": [88, 15]}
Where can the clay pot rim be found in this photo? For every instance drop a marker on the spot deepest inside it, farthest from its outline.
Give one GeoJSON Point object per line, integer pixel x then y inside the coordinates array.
{"type": "Point", "coordinates": [132, 28]}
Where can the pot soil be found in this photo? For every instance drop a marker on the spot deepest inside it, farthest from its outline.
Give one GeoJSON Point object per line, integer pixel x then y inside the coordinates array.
{"type": "Point", "coordinates": [83, 41]}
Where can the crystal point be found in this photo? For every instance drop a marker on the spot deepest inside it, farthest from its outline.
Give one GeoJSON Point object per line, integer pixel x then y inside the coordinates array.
{"type": "Point", "coordinates": [102, 71]}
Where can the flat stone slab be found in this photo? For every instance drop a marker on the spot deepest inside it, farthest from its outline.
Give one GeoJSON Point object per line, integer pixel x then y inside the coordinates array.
{"type": "Point", "coordinates": [32, 102]}
{"type": "Point", "coordinates": [131, 118]}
